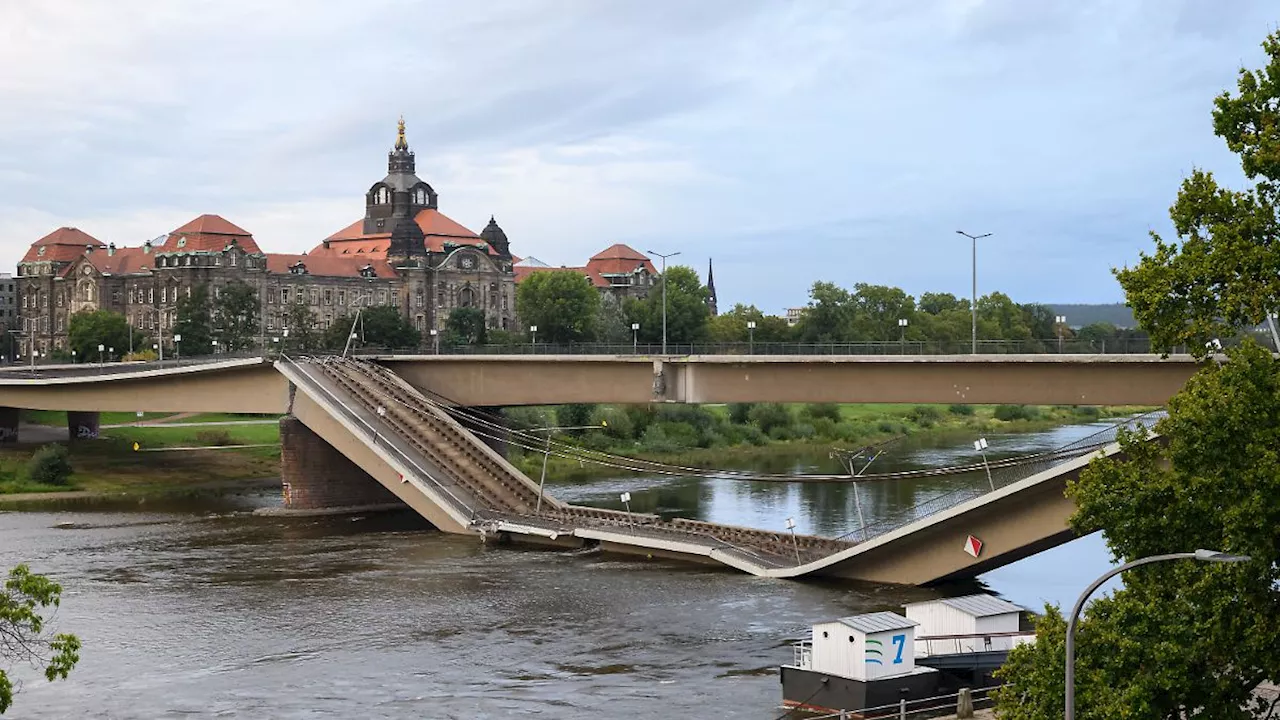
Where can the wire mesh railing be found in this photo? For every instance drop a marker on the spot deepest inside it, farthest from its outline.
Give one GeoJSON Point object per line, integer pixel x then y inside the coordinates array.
{"type": "Point", "coordinates": [1000, 477]}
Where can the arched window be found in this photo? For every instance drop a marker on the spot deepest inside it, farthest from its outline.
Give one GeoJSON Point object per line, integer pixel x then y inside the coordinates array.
{"type": "Point", "coordinates": [466, 297]}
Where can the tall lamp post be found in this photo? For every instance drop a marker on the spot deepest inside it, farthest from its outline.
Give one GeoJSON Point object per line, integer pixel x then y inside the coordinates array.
{"type": "Point", "coordinates": [533, 338]}
{"type": "Point", "coordinates": [751, 337]}
{"type": "Point", "coordinates": [974, 306]}
{"type": "Point", "coordinates": [1202, 555]}
{"type": "Point", "coordinates": [902, 336]}
{"type": "Point", "coordinates": [177, 349]}
{"type": "Point", "coordinates": [635, 337]}
{"type": "Point", "coordinates": [664, 295]}
{"type": "Point", "coordinates": [1060, 322]}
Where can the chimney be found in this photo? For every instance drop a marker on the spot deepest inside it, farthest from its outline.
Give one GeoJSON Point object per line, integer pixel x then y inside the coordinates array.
{"type": "Point", "coordinates": [146, 248]}
{"type": "Point", "coordinates": [88, 249]}
{"type": "Point", "coordinates": [326, 244]}
{"type": "Point", "coordinates": [111, 249]}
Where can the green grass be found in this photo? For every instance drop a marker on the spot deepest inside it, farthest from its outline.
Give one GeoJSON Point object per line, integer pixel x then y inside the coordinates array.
{"type": "Point", "coordinates": [152, 437]}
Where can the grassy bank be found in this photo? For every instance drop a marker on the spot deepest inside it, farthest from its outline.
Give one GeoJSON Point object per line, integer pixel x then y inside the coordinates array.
{"type": "Point", "coordinates": [111, 465]}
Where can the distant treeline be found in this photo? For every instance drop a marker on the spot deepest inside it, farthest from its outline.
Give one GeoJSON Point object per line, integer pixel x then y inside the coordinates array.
{"type": "Point", "coordinates": [1080, 314]}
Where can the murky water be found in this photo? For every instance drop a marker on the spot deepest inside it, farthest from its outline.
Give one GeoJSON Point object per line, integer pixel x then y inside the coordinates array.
{"type": "Point", "coordinates": [200, 609]}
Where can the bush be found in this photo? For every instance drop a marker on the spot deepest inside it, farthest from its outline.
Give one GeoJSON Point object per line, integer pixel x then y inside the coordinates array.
{"type": "Point", "coordinates": [656, 440]}
{"type": "Point", "coordinates": [781, 432]}
{"type": "Point", "coordinates": [925, 415]}
{"type": "Point", "coordinates": [575, 415]}
{"type": "Point", "coordinates": [524, 418]}
{"type": "Point", "coordinates": [828, 411]}
{"type": "Point", "coordinates": [680, 434]}
{"type": "Point", "coordinates": [769, 416]}
{"type": "Point", "coordinates": [753, 435]}
{"type": "Point", "coordinates": [50, 465]}
{"type": "Point", "coordinates": [965, 410]}
{"type": "Point", "coordinates": [617, 423]}
{"type": "Point", "coordinates": [886, 426]}
{"type": "Point", "coordinates": [1087, 412]}
{"type": "Point", "coordinates": [695, 415]}
{"type": "Point", "coordinates": [141, 356]}
{"type": "Point", "coordinates": [641, 417]}
{"type": "Point", "coordinates": [824, 427]}
{"type": "Point", "coordinates": [851, 431]}
{"type": "Point", "coordinates": [1008, 413]}
{"type": "Point", "coordinates": [213, 437]}
{"type": "Point", "coordinates": [803, 430]}
{"type": "Point", "coordinates": [740, 413]}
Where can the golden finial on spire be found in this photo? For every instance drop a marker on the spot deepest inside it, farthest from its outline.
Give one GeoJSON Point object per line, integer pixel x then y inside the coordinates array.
{"type": "Point", "coordinates": [401, 143]}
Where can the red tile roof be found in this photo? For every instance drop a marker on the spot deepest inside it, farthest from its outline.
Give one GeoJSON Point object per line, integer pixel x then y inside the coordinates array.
{"type": "Point", "coordinates": [619, 259]}
{"type": "Point", "coordinates": [209, 233]}
{"type": "Point", "coordinates": [436, 226]}
{"type": "Point", "coordinates": [61, 245]}
{"type": "Point", "coordinates": [329, 265]}
{"type": "Point", "coordinates": [123, 261]}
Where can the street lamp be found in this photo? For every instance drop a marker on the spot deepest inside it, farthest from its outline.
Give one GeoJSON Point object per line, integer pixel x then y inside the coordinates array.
{"type": "Point", "coordinates": [1060, 322]}
{"type": "Point", "coordinates": [635, 335]}
{"type": "Point", "coordinates": [177, 351]}
{"type": "Point", "coordinates": [101, 347]}
{"type": "Point", "coordinates": [546, 453]}
{"type": "Point", "coordinates": [533, 338]}
{"type": "Point", "coordinates": [791, 525]}
{"type": "Point", "coordinates": [1202, 555]}
{"type": "Point", "coordinates": [974, 307]}
{"type": "Point", "coordinates": [664, 295]}
{"type": "Point", "coordinates": [751, 337]}
{"type": "Point", "coordinates": [435, 340]}
{"type": "Point", "coordinates": [214, 345]}
{"type": "Point", "coordinates": [902, 335]}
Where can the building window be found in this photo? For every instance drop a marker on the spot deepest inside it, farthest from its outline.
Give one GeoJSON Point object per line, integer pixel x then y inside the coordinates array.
{"type": "Point", "coordinates": [284, 295]}
{"type": "Point", "coordinates": [342, 297]}
{"type": "Point", "coordinates": [271, 298]}
{"type": "Point", "coordinates": [232, 257]}
{"type": "Point", "coordinates": [328, 297]}
{"type": "Point", "coordinates": [164, 295]}
{"type": "Point", "coordinates": [151, 296]}
{"type": "Point", "coordinates": [271, 321]}
{"type": "Point", "coordinates": [395, 298]}
{"type": "Point", "coordinates": [421, 299]}
{"type": "Point", "coordinates": [382, 297]}
{"type": "Point", "coordinates": [315, 296]}
{"type": "Point", "coordinates": [467, 297]}
{"type": "Point", "coordinates": [59, 323]}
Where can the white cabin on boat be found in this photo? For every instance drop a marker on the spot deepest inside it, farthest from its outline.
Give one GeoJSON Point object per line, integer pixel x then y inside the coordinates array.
{"type": "Point", "coordinates": [864, 647]}
{"type": "Point", "coordinates": [972, 623]}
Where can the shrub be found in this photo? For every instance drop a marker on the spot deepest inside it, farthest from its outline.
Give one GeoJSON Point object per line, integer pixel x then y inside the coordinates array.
{"type": "Point", "coordinates": [574, 415]}
{"type": "Point", "coordinates": [1088, 412]}
{"type": "Point", "coordinates": [680, 434]}
{"type": "Point", "coordinates": [781, 432]}
{"type": "Point", "coordinates": [641, 417]}
{"type": "Point", "coordinates": [886, 426]}
{"type": "Point", "coordinates": [816, 411]}
{"type": "Point", "coordinates": [1009, 413]}
{"type": "Point", "coordinates": [803, 430]}
{"type": "Point", "coordinates": [524, 418]}
{"type": "Point", "coordinates": [656, 440]}
{"type": "Point", "coordinates": [213, 437]}
{"type": "Point", "coordinates": [851, 431]}
{"type": "Point", "coordinates": [141, 356]}
{"type": "Point", "coordinates": [50, 465]}
{"type": "Point", "coordinates": [695, 415]}
{"type": "Point", "coordinates": [769, 416]}
{"type": "Point", "coordinates": [824, 427]}
{"type": "Point", "coordinates": [753, 435]}
{"type": "Point", "coordinates": [925, 415]}
{"type": "Point", "coordinates": [740, 413]}
{"type": "Point", "coordinates": [617, 423]}
{"type": "Point", "coordinates": [965, 410]}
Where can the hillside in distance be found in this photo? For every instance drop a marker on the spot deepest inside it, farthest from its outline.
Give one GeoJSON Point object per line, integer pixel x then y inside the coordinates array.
{"type": "Point", "coordinates": [1080, 314]}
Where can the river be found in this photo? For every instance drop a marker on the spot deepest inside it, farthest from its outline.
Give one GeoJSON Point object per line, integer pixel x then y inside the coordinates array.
{"type": "Point", "coordinates": [198, 608]}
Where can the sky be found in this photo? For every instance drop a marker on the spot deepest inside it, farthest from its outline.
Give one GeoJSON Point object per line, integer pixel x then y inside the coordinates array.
{"type": "Point", "coordinates": [791, 141]}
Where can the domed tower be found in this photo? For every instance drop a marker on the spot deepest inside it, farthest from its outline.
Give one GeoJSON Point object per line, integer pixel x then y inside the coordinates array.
{"type": "Point", "coordinates": [496, 238]}
{"type": "Point", "coordinates": [400, 191]}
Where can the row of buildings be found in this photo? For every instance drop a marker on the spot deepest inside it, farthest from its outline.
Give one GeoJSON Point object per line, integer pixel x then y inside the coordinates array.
{"type": "Point", "coordinates": [404, 253]}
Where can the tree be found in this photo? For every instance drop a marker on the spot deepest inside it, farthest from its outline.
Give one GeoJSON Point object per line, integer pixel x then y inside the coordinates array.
{"type": "Point", "coordinates": [195, 321]}
{"type": "Point", "coordinates": [304, 336]}
{"type": "Point", "coordinates": [24, 638]}
{"type": "Point", "coordinates": [91, 328]}
{"type": "Point", "coordinates": [1223, 272]}
{"type": "Point", "coordinates": [611, 325]}
{"type": "Point", "coordinates": [877, 310]}
{"type": "Point", "coordinates": [732, 326]}
{"type": "Point", "coordinates": [465, 326]}
{"type": "Point", "coordinates": [381, 327]}
{"type": "Point", "coordinates": [235, 316]}
{"type": "Point", "coordinates": [687, 311]}
{"type": "Point", "coordinates": [829, 316]}
{"type": "Point", "coordinates": [1182, 639]}
{"type": "Point", "coordinates": [562, 303]}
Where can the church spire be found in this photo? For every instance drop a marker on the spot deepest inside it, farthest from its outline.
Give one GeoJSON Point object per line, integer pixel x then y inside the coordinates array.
{"type": "Point", "coordinates": [711, 289]}
{"type": "Point", "coordinates": [401, 143]}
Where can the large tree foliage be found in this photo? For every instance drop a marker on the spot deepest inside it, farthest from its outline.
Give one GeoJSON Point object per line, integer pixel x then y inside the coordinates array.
{"type": "Point", "coordinates": [1223, 271]}
{"type": "Point", "coordinates": [90, 328]}
{"type": "Point", "coordinates": [561, 303]}
{"type": "Point", "coordinates": [303, 335]}
{"type": "Point", "coordinates": [1181, 639]}
{"type": "Point", "coordinates": [235, 316]}
{"type": "Point", "coordinates": [26, 601]}
{"type": "Point", "coordinates": [687, 310]}
{"type": "Point", "coordinates": [195, 321]}
{"type": "Point", "coordinates": [381, 327]}
{"type": "Point", "coordinates": [732, 326]}
{"type": "Point", "coordinates": [465, 326]}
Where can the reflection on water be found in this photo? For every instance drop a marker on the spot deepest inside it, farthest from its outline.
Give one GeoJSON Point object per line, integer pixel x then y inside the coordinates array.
{"type": "Point", "coordinates": [197, 607]}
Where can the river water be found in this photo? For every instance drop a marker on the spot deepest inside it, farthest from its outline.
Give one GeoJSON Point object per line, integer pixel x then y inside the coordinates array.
{"type": "Point", "coordinates": [198, 608]}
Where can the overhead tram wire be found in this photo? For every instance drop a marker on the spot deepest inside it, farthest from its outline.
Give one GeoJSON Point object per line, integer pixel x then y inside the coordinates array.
{"type": "Point", "coordinates": [538, 444]}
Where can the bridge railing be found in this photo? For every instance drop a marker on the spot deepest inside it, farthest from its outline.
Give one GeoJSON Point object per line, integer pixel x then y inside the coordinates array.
{"type": "Point", "coordinates": [946, 499]}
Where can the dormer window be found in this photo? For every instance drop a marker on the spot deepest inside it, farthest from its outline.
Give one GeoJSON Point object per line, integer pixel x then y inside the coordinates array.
{"type": "Point", "coordinates": [420, 196]}
{"type": "Point", "coordinates": [232, 255]}
{"type": "Point", "coordinates": [381, 196]}
{"type": "Point", "coordinates": [298, 268]}
{"type": "Point", "coordinates": [367, 272]}
{"type": "Point", "coordinates": [182, 242]}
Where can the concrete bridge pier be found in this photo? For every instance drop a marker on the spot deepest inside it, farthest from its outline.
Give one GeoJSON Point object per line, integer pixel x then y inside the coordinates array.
{"type": "Point", "coordinates": [82, 425]}
{"type": "Point", "coordinates": [9, 424]}
{"type": "Point", "coordinates": [316, 476]}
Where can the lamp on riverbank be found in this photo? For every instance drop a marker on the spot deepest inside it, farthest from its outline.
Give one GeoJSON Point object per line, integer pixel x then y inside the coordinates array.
{"type": "Point", "coordinates": [664, 294]}
{"type": "Point", "coordinates": [981, 446]}
{"type": "Point", "coordinates": [751, 337]}
{"type": "Point", "coordinates": [1201, 555]}
{"type": "Point", "coordinates": [974, 307]}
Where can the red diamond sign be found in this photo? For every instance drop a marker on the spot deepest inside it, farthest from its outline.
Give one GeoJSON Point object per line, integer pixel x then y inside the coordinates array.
{"type": "Point", "coordinates": [973, 546]}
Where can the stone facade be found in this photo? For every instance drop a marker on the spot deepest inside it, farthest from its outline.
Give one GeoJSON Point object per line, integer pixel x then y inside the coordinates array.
{"type": "Point", "coordinates": [403, 253]}
{"type": "Point", "coordinates": [316, 476]}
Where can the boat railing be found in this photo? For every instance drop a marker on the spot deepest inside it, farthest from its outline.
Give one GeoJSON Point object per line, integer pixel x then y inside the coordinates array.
{"type": "Point", "coordinates": [972, 642]}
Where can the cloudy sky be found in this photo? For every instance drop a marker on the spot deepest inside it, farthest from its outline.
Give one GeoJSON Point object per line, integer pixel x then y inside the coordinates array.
{"type": "Point", "coordinates": [791, 141]}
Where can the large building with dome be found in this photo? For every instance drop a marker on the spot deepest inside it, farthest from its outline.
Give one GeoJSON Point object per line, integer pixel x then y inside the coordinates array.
{"type": "Point", "coordinates": [404, 253]}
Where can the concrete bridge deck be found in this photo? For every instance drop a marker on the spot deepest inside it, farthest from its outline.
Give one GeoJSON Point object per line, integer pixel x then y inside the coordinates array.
{"type": "Point", "coordinates": [424, 456]}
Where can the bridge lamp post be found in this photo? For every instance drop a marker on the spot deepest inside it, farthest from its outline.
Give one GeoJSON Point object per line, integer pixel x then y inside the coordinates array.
{"type": "Point", "coordinates": [626, 502]}
{"type": "Point", "coordinates": [635, 338]}
{"type": "Point", "coordinates": [214, 345]}
{"type": "Point", "coordinates": [664, 295]}
{"type": "Point", "coordinates": [902, 336]}
{"type": "Point", "coordinates": [791, 525]}
{"type": "Point", "coordinates": [1060, 321]}
{"type": "Point", "coordinates": [751, 337]}
{"type": "Point", "coordinates": [1201, 555]}
{"type": "Point", "coordinates": [974, 306]}
{"type": "Point", "coordinates": [981, 446]}
{"type": "Point", "coordinates": [533, 338]}
{"type": "Point", "coordinates": [435, 340]}
{"type": "Point", "coordinates": [177, 351]}
{"type": "Point", "coordinates": [101, 347]}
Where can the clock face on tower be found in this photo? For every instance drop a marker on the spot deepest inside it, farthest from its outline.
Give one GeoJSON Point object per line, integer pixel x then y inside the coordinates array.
{"type": "Point", "coordinates": [467, 262]}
